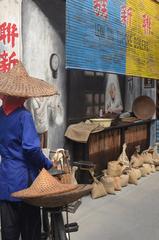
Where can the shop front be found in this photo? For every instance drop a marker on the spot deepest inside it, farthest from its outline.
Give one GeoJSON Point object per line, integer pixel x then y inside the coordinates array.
{"type": "Point", "coordinates": [111, 67]}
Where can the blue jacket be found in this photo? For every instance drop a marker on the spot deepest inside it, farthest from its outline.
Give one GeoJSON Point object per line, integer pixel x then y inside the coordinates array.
{"type": "Point", "coordinates": [21, 157]}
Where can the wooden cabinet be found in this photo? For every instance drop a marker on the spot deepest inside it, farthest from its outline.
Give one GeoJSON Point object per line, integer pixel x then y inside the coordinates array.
{"type": "Point", "coordinates": [107, 145]}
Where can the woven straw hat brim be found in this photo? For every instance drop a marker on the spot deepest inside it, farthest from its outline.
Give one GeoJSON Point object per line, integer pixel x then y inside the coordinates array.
{"type": "Point", "coordinates": [62, 199]}
{"type": "Point", "coordinates": [46, 190]}
{"type": "Point", "coordinates": [34, 193]}
{"type": "Point", "coordinates": [32, 88]}
{"type": "Point", "coordinates": [44, 185]}
{"type": "Point", "coordinates": [17, 82]}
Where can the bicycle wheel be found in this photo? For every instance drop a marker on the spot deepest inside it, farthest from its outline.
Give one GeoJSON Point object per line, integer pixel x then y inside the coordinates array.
{"type": "Point", "coordinates": [57, 225]}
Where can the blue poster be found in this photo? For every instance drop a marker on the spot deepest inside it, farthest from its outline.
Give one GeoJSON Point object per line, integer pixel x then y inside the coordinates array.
{"type": "Point", "coordinates": [95, 36]}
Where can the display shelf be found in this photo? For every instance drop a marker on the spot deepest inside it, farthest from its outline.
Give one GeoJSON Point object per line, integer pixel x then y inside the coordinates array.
{"type": "Point", "coordinates": [107, 145]}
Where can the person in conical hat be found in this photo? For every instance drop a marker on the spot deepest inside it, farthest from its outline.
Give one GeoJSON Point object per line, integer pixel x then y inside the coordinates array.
{"type": "Point", "coordinates": [20, 152]}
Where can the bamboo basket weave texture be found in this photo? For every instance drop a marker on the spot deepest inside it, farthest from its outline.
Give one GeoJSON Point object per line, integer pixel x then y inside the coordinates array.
{"type": "Point", "coordinates": [44, 185]}
{"type": "Point", "coordinates": [47, 191]}
{"type": "Point", "coordinates": [17, 82]}
{"type": "Point", "coordinates": [62, 199]}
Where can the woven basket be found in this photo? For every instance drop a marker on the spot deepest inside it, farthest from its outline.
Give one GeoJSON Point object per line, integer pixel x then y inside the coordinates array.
{"type": "Point", "coordinates": [104, 122]}
{"type": "Point", "coordinates": [143, 107]}
{"type": "Point", "coordinates": [44, 185]}
{"type": "Point", "coordinates": [62, 199]}
{"type": "Point", "coordinates": [47, 191]}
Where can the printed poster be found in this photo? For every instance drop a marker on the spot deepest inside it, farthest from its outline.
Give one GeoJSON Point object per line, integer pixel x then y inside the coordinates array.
{"type": "Point", "coordinates": [113, 36]}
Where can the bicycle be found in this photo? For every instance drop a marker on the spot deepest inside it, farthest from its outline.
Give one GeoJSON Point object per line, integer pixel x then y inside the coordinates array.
{"type": "Point", "coordinates": [57, 229]}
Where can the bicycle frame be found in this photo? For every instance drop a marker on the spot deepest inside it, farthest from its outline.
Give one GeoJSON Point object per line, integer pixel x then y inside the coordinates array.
{"type": "Point", "coordinates": [57, 229]}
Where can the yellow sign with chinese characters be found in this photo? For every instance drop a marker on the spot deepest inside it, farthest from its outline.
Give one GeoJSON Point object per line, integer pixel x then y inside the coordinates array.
{"type": "Point", "coordinates": [142, 37]}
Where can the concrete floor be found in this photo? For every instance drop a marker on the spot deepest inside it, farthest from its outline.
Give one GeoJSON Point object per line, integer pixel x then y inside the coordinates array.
{"type": "Point", "coordinates": [132, 214]}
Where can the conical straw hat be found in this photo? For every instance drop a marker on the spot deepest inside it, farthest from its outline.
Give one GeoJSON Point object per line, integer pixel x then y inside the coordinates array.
{"type": "Point", "coordinates": [61, 199]}
{"type": "Point", "coordinates": [47, 191]}
{"type": "Point", "coordinates": [44, 185]}
{"type": "Point", "coordinates": [17, 82]}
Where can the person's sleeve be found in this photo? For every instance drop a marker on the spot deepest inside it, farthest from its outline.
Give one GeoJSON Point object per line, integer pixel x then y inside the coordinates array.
{"type": "Point", "coordinates": [31, 144]}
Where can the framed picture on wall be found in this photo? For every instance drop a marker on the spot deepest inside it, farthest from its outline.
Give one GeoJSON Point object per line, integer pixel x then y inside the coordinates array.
{"type": "Point", "coordinates": [113, 101]}
{"type": "Point", "coordinates": [149, 83]}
